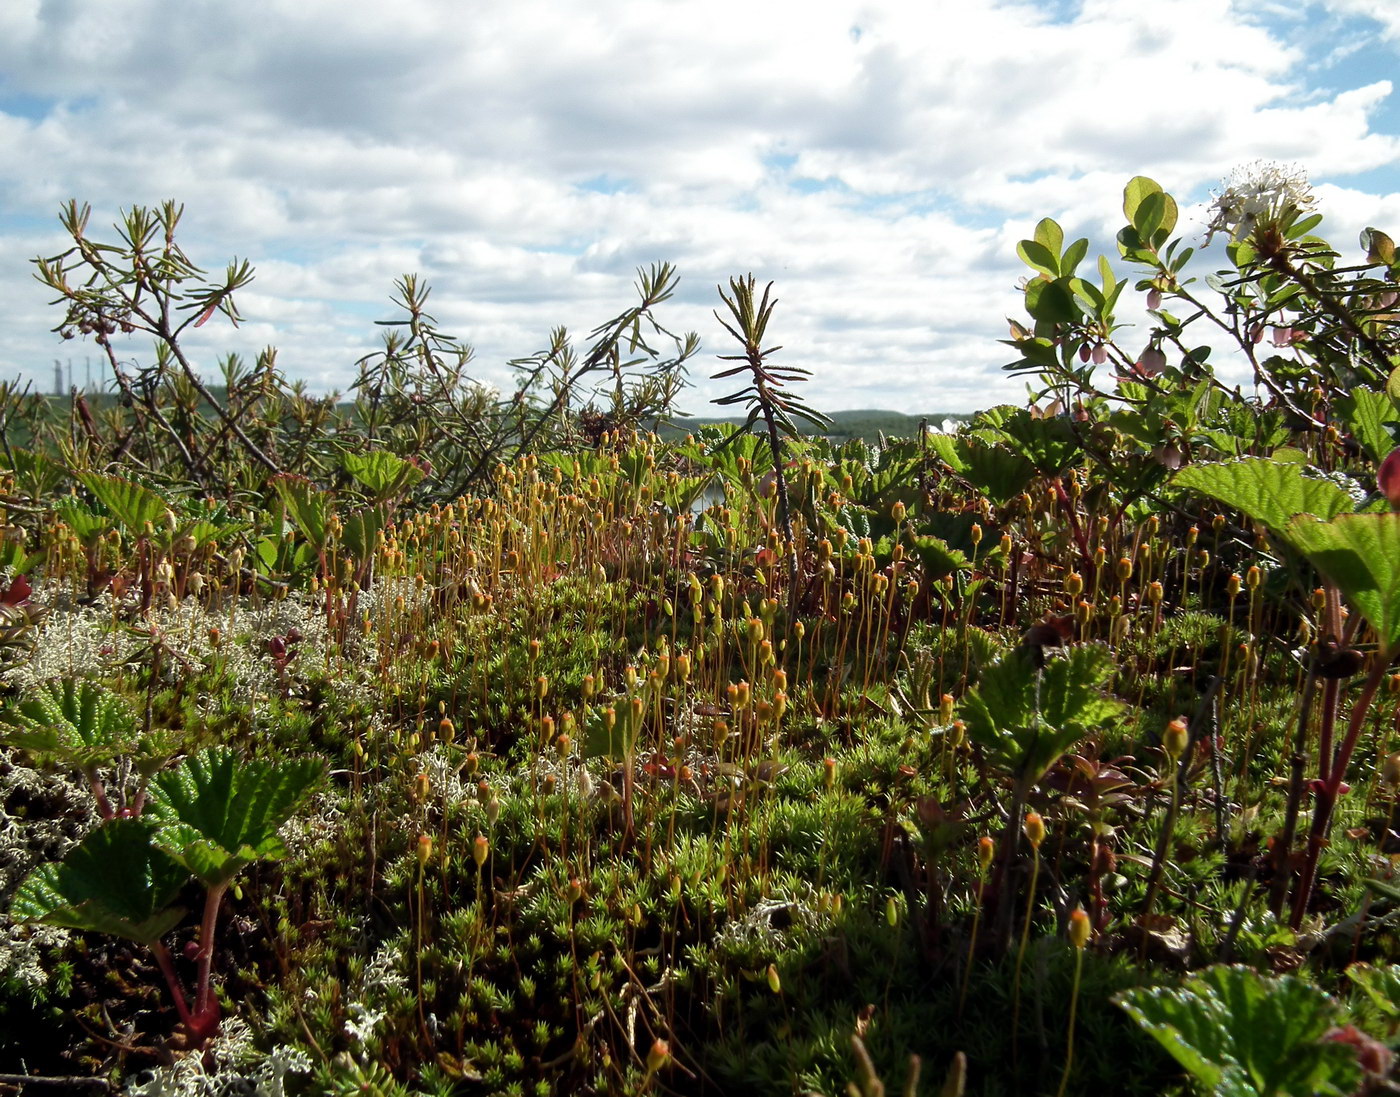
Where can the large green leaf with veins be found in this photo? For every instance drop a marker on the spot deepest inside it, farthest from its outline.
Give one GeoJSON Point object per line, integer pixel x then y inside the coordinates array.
{"type": "Point", "coordinates": [133, 505]}
{"type": "Point", "coordinates": [1241, 1034]}
{"type": "Point", "coordinates": [218, 813]}
{"type": "Point", "coordinates": [115, 881]}
{"type": "Point", "coordinates": [1270, 492]}
{"type": "Point", "coordinates": [1373, 419]}
{"type": "Point", "coordinates": [77, 723]}
{"type": "Point", "coordinates": [382, 473]}
{"type": "Point", "coordinates": [1028, 717]}
{"type": "Point", "coordinates": [1361, 554]}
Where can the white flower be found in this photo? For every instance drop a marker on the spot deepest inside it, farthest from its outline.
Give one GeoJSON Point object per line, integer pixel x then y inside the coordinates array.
{"type": "Point", "coordinates": [1260, 192]}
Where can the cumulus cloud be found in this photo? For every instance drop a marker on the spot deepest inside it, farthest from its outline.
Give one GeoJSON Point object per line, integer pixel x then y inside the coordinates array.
{"type": "Point", "coordinates": [877, 159]}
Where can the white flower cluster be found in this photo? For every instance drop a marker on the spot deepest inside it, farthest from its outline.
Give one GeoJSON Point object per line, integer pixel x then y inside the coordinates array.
{"type": "Point", "coordinates": [1261, 192]}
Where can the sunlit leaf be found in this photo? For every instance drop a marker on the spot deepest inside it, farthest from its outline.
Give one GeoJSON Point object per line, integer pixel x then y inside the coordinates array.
{"type": "Point", "coordinates": [1372, 418]}
{"type": "Point", "coordinates": [1028, 717]}
{"type": "Point", "coordinates": [381, 473]}
{"type": "Point", "coordinates": [1238, 1032]}
{"type": "Point", "coordinates": [133, 505]}
{"type": "Point", "coordinates": [1049, 235]}
{"type": "Point", "coordinates": [219, 814]}
{"type": "Point", "coordinates": [937, 557]}
{"type": "Point", "coordinates": [1361, 554]}
{"type": "Point", "coordinates": [1039, 257]}
{"type": "Point", "coordinates": [1270, 492]}
{"type": "Point", "coordinates": [115, 881]}
{"type": "Point", "coordinates": [307, 506]}
{"type": "Point", "coordinates": [74, 722]}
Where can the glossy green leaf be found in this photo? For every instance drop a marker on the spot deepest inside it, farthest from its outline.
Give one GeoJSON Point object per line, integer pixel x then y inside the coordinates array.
{"type": "Point", "coordinates": [1299, 229]}
{"type": "Point", "coordinates": [1051, 302]}
{"type": "Point", "coordinates": [133, 505]}
{"type": "Point", "coordinates": [1361, 554]}
{"type": "Point", "coordinates": [1038, 257]}
{"type": "Point", "coordinates": [72, 722]}
{"type": "Point", "coordinates": [1049, 235]}
{"type": "Point", "coordinates": [218, 814]}
{"type": "Point", "coordinates": [1135, 192]}
{"type": "Point", "coordinates": [1147, 218]}
{"type": "Point", "coordinates": [1372, 418]}
{"type": "Point", "coordinates": [1073, 256]}
{"type": "Point", "coordinates": [1270, 492]}
{"type": "Point", "coordinates": [1028, 717]}
{"type": "Point", "coordinates": [1238, 1032]}
{"type": "Point", "coordinates": [115, 881]}
{"type": "Point", "coordinates": [1132, 246]}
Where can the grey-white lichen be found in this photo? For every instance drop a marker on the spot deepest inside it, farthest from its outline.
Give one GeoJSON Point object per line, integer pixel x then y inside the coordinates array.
{"type": "Point", "coordinates": [229, 1065]}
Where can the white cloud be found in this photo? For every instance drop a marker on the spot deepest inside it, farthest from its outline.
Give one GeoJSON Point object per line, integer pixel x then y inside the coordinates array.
{"type": "Point", "coordinates": [1381, 12]}
{"type": "Point", "coordinates": [877, 159]}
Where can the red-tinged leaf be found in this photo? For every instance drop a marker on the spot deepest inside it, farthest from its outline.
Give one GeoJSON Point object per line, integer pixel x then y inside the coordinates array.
{"type": "Point", "coordinates": [204, 316]}
{"type": "Point", "coordinates": [17, 592]}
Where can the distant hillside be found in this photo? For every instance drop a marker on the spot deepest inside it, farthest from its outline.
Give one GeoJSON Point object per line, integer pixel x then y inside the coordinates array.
{"type": "Point", "coordinates": [866, 423]}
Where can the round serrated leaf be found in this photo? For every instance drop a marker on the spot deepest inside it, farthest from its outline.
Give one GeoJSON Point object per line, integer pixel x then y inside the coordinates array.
{"type": "Point", "coordinates": [114, 881]}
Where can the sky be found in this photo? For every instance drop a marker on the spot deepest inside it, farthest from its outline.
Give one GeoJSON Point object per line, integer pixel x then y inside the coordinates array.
{"type": "Point", "coordinates": [877, 161]}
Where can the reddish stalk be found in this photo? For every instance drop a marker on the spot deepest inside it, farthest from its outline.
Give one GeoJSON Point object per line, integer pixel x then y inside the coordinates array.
{"type": "Point", "coordinates": [1328, 790]}
{"type": "Point", "coordinates": [167, 968]}
{"type": "Point", "coordinates": [206, 949]}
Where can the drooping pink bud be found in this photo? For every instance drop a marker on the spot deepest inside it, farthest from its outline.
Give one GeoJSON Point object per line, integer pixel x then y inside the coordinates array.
{"type": "Point", "coordinates": [1151, 362]}
{"type": "Point", "coordinates": [1388, 478]}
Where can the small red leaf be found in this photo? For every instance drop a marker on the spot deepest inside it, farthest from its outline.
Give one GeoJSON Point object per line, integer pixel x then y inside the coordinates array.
{"type": "Point", "coordinates": [18, 591]}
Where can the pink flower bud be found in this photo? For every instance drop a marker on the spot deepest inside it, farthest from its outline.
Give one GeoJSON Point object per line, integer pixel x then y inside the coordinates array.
{"type": "Point", "coordinates": [1388, 478]}
{"type": "Point", "coordinates": [1151, 362]}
